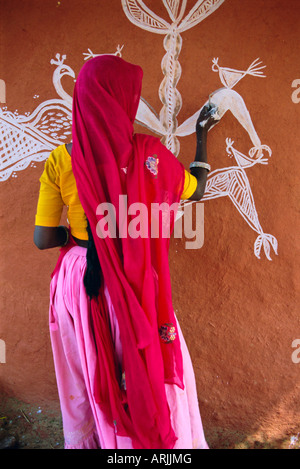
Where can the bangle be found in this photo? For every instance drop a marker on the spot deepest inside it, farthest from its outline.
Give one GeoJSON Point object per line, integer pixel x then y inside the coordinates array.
{"type": "Point", "coordinates": [200, 164]}
{"type": "Point", "coordinates": [67, 233]}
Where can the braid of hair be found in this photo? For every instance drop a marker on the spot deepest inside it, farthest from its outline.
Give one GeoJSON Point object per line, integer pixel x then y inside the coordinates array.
{"type": "Point", "coordinates": [93, 274]}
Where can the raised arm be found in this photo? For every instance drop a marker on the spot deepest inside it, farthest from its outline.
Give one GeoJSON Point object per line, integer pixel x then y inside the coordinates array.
{"type": "Point", "coordinates": [207, 118]}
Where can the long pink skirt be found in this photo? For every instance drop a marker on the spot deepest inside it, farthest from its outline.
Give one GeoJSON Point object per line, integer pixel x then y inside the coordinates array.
{"type": "Point", "coordinates": [84, 424]}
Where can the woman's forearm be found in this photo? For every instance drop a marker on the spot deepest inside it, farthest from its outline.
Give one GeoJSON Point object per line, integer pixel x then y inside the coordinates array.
{"type": "Point", "coordinates": [201, 156]}
{"type": "Point", "coordinates": [201, 148]}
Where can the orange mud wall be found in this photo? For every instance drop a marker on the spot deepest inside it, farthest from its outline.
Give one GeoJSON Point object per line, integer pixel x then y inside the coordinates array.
{"type": "Point", "coordinates": [239, 313]}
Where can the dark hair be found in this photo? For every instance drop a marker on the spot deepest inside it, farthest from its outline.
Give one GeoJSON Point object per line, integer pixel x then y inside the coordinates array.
{"type": "Point", "coordinates": [93, 274]}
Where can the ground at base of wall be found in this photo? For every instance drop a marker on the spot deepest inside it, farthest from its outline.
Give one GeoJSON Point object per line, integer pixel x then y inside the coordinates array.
{"type": "Point", "coordinates": [27, 426]}
{"type": "Point", "coordinates": [218, 438]}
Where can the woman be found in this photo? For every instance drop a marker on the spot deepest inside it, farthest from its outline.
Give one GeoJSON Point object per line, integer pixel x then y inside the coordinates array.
{"type": "Point", "coordinates": [123, 371]}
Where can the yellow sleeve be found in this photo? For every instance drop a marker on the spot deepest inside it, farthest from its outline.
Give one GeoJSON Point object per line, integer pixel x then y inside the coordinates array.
{"type": "Point", "coordinates": [190, 185]}
{"type": "Point", "coordinates": [50, 203]}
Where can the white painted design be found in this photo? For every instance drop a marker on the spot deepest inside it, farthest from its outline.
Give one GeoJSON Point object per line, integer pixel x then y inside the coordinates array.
{"type": "Point", "coordinates": [89, 54]}
{"type": "Point", "coordinates": [231, 181]}
{"type": "Point", "coordinates": [152, 164]}
{"type": "Point", "coordinates": [296, 93]}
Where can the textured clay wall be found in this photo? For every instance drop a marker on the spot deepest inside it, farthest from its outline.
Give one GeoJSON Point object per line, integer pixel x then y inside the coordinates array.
{"type": "Point", "coordinates": [239, 313]}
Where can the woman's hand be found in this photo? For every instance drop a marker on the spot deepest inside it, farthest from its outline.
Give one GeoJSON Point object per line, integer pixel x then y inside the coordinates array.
{"type": "Point", "coordinates": [207, 117]}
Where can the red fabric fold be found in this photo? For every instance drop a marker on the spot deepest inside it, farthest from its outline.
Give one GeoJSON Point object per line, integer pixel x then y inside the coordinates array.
{"type": "Point", "coordinates": [109, 161]}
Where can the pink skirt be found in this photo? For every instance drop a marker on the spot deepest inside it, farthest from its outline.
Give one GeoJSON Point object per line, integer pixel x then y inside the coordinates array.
{"type": "Point", "coordinates": [84, 424]}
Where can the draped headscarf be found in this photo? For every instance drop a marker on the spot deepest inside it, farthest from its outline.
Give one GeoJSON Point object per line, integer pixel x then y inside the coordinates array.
{"type": "Point", "coordinates": [109, 160]}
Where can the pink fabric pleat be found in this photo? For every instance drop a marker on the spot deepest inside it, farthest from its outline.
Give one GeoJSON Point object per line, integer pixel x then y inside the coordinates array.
{"type": "Point", "coordinates": [75, 358]}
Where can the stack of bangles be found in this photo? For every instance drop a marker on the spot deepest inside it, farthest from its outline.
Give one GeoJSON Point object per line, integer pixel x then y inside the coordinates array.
{"type": "Point", "coordinates": [200, 164]}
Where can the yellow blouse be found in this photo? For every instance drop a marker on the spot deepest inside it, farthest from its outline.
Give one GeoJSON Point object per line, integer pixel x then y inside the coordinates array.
{"type": "Point", "coordinates": [58, 188]}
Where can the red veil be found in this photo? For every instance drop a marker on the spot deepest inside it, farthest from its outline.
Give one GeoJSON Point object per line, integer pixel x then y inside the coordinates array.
{"type": "Point", "coordinates": [109, 160]}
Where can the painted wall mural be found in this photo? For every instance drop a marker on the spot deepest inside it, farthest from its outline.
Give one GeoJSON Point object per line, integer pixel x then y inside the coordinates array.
{"type": "Point", "coordinates": [26, 139]}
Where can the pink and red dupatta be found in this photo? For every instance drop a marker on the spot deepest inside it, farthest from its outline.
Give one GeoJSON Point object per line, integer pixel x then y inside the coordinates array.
{"type": "Point", "coordinates": [108, 160]}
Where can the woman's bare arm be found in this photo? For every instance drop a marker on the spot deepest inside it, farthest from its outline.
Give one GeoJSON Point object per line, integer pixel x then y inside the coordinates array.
{"type": "Point", "coordinates": [205, 120]}
{"type": "Point", "coordinates": [46, 237]}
